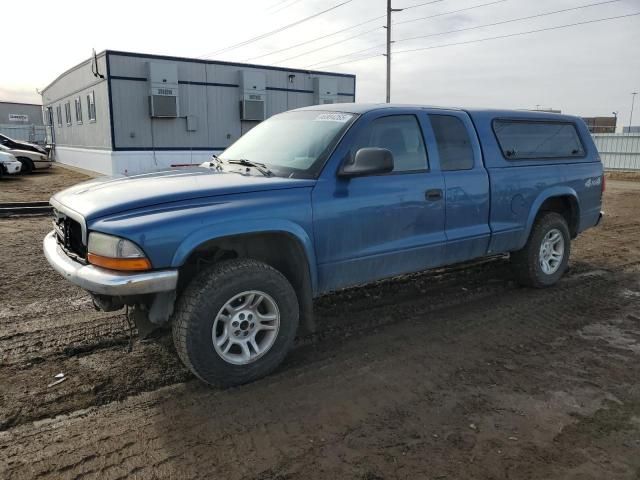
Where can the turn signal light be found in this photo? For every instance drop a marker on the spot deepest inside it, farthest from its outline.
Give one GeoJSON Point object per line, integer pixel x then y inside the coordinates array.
{"type": "Point", "coordinates": [124, 264]}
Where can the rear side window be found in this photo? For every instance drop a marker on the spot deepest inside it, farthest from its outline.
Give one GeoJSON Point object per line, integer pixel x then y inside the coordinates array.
{"type": "Point", "coordinates": [402, 135]}
{"type": "Point", "coordinates": [528, 139]}
{"type": "Point", "coordinates": [454, 145]}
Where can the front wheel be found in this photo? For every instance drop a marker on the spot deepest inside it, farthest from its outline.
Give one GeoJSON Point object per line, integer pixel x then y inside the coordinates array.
{"type": "Point", "coordinates": [27, 165]}
{"type": "Point", "coordinates": [545, 256]}
{"type": "Point", "coordinates": [235, 322]}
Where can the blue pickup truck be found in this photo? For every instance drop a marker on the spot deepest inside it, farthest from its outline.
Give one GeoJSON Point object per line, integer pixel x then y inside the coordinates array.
{"type": "Point", "coordinates": [233, 252]}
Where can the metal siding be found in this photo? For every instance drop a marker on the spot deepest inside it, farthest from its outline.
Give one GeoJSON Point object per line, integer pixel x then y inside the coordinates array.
{"type": "Point", "coordinates": [298, 100]}
{"type": "Point", "coordinates": [80, 81]}
{"type": "Point", "coordinates": [132, 128]}
{"type": "Point", "coordinates": [223, 107]}
{"type": "Point", "coordinates": [216, 107]}
{"type": "Point", "coordinates": [89, 134]}
{"type": "Point", "coordinates": [346, 85]}
{"type": "Point", "coordinates": [276, 102]}
{"type": "Point", "coordinates": [34, 112]}
{"type": "Point", "coordinates": [222, 74]}
{"type": "Point", "coordinates": [191, 103]}
{"type": "Point", "coordinates": [618, 151]}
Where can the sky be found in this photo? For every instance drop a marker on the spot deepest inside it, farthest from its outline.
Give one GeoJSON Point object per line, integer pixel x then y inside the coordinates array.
{"type": "Point", "coordinates": [589, 69]}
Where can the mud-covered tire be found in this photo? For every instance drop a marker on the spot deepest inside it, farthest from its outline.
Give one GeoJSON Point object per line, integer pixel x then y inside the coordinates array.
{"type": "Point", "coordinates": [526, 262]}
{"type": "Point", "coordinates": [27, 165]}
{"type": "Point", "coordinates": [200, 304]}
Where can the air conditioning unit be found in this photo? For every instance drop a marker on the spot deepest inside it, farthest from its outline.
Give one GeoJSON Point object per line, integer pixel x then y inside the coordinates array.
{"type": "Point", "coordinates": [325, 90]}
{"type": "Point", "coordinates": [163, 95]}
{"type": "Point", "coordinates": [253, 95]}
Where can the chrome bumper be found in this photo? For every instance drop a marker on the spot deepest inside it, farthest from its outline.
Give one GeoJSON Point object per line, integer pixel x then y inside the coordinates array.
{"type": "Point", "coordinates": [107, 282]}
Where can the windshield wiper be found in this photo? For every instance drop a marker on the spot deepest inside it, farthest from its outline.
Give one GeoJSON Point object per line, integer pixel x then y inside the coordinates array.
{"type": "Point", "coordinates": [216, 163]}
{"type": "Point", "coordinates": [261, 167]}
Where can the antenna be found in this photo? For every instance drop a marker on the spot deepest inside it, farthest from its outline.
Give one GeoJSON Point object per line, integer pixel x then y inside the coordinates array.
{"type": "Point", "coordinates": [94, 65]}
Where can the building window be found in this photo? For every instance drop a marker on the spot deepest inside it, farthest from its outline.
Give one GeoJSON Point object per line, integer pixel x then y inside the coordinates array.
{"type": "Point", "coordinates": [67, 112]}
{"type": "Point", "coordinates": [520, 139]}
{"type": "Point", "coordinates": [78, 105]}
{"type": "Point", "coordinates": [59, 115]}
{"type": "Point", "coordinates": [47, 114]}
{"type": "Point", "coordinates": [454, 145]}
{"type": "Point", "coordinates": [91, 106]}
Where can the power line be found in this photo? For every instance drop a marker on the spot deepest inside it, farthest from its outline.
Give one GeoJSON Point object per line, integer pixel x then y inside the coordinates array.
{"type": "Point", "coordinates": [368, 31]}
{"type": "Point", "coordinates": [489, 38]}
{"type": "Point", "coordinates": [520, 33]}
{"type": "Point", "coordinates": [508, 21]}
{"type": "Point", "coordinates": [346, 55]}
{"type": "Point", "coordinates": [276, 4]}
{"type": "Point", "coordinates": [278, 30]}
{"type": "Point", "coordinates": [317, 38]}
{"type": "Point", "coordinates": [285, 6]}
{"type": "Point", "coordinates": [420, 4]}
{"type": "Point", "coordinates": [407, 21]}
{"type": "Point", "coordinates": [449, 13]}
{"type": "Point", "coordinates": [330, 44]}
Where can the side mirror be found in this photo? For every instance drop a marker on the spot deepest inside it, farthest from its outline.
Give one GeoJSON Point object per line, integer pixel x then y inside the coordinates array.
{"type": "Point", "coordinates": [368, 161]}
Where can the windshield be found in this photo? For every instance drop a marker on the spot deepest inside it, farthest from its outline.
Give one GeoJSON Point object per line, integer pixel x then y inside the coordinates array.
{"type": "Point", "coordinates": [292, 144]}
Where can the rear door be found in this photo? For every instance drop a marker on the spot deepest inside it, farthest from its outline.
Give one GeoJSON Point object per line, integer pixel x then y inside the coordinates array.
{"type": "Point", "coordinates": [466, 184]}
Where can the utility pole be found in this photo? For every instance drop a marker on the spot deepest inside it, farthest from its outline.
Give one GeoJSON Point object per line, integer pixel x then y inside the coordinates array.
{"type": "Point", "coordinates": [633, 100]}
{"type": "Point", "coordinates": [388, 55]}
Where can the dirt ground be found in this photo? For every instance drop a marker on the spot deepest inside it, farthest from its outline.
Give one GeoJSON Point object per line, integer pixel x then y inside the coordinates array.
{"type": "Point", "coordinates": [450, 374]}
{"type": "Point", "coordinates": [39, 185]}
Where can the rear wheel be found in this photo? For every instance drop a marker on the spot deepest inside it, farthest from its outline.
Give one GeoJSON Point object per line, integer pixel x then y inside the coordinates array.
{"type": "Point", "coordinates": [235, 322]}
{"type": "Point", "coordinates": [27, 165]}
{"type": "Point", "coordinates": [545, 256]}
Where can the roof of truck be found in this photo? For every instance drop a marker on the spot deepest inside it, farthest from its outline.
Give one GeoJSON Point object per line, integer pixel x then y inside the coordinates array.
{"type": "Point", "coordinates": [360, 108]}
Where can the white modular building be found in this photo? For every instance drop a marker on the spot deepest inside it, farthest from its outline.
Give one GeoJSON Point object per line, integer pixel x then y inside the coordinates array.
{"type": "Point", "coordinates": [126, 113]}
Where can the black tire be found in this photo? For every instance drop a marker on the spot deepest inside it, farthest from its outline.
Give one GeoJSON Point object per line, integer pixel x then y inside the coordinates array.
{"type": "Point", "coordinates": [27, 165]}
{"type": "Point", "coordinates": [526, 262]}
{"type": "Point", "coordinates": [205, 296]}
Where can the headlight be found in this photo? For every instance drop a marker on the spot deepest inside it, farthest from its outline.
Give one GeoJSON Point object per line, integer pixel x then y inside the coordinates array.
{"type": "Point", "coordinates": [115, 253]}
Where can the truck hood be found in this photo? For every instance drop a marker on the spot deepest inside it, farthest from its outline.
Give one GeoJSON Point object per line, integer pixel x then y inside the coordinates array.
{"type": "Point", "coordinates": [109, 195]}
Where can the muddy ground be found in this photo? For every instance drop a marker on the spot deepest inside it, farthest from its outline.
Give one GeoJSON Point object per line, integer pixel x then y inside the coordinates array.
{"type": "Point", "coordinates": [454, 374]}
{"type": "Point", "coordinates": [39, 185]}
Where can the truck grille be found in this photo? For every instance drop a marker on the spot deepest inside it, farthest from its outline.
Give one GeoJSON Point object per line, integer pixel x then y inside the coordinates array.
{"type": "Point", "coordinates": [69, 236]}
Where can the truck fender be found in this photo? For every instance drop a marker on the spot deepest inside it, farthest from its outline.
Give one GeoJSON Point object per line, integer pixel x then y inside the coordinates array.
{"type": "Point", "coordinates": [227, 229]}
{"type": "Point", "coordinates": [556, 191]}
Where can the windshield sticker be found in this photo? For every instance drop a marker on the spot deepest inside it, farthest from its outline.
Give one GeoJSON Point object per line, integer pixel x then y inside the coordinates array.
{"type": "Point", "coordinates": [333, 117]}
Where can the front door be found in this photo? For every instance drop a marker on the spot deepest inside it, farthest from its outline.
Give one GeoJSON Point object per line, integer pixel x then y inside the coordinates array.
{"type": "Point", "coordinates": [371, 227]}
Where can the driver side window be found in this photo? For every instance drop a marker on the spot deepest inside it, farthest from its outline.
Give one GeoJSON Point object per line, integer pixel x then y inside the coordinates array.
{"type": "Point", "coordinates": [402, 135]}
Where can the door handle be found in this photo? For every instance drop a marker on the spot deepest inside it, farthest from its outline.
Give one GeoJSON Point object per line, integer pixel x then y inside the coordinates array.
{"type": "Point", "coordinates": [433, 195]}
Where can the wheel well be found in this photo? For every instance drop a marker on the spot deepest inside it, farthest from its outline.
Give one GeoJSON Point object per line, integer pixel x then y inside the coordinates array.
{"type": "Point", "coordinates": [280, 250]}
{"type": "Point", "coordinates": [565, 205]}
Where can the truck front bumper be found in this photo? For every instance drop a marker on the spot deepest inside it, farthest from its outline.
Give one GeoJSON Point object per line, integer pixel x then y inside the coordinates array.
{"type": "Point", "coordinates": [107, 282]}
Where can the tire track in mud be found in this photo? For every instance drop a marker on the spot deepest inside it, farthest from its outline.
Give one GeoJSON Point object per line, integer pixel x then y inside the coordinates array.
{"type": "Point", "coordinates": [79, 331]}
{"type": "Point", "coordinates": [185, 430]}
{"type": "Point", "coordinates": [100, 372]}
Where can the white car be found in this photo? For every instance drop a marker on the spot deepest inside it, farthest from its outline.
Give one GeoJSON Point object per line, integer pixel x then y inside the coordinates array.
{"type": "Point", "coordinates": [9, 164]}
{"type": "Point", "coordinates": [30, 160]}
